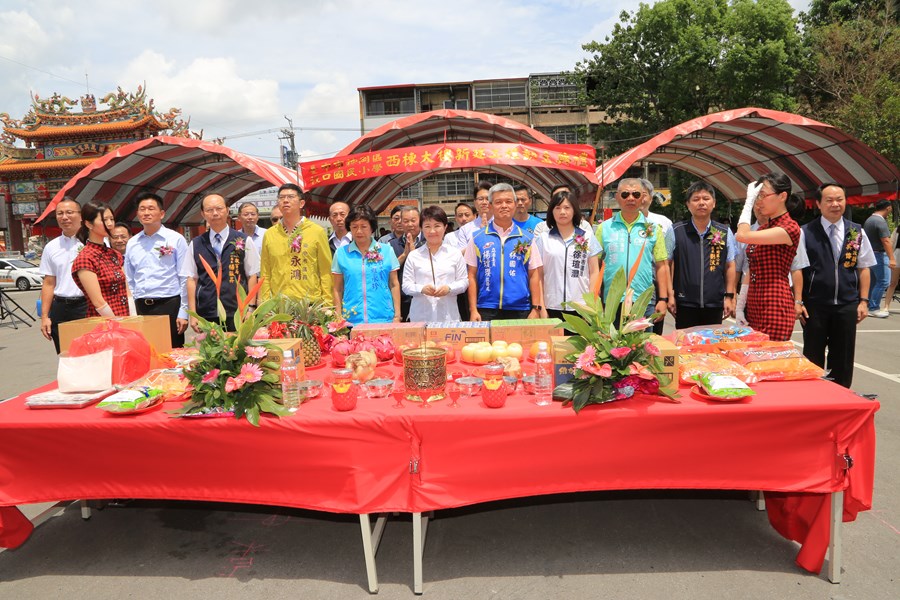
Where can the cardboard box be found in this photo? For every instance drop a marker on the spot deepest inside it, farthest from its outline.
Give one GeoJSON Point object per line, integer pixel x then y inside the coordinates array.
{"type": "Point", "coordinates": [669, 354]}
{"type": "Point", "coordinates": [563, 370]}
{"type": "Point", "coordinates": [458, 333]}
{"type": "Point", "coordinates": [295, 344]}
{"type": "Point", "coordinates": [525, 331]}
{"type": "Point", "coordinates": [153, 327]}
{"type": "Point", "coordinates": [401, 333]}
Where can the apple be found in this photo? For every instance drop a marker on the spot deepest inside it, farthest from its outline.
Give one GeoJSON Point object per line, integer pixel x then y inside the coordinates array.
{"type": "Point", "coordinates": [500, 351]}
{"type": "Point", "coordinates": [499, 343]}
{"type": "Point", "coordinates": [468, 352]}
{"type": "Point", "coordinates": [515, 350]}
{"type": "Point", "coordinates": [483, 344]}
{"type": "Point", "coordinates": [483, 355]}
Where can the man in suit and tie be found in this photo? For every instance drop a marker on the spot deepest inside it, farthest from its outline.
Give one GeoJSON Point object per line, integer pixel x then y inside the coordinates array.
{"type": "Point", "coordinates": [835, 284]}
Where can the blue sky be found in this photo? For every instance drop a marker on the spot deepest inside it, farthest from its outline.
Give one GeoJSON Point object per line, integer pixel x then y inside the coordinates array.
{"type": "Point", "coordinates": [237, 67]}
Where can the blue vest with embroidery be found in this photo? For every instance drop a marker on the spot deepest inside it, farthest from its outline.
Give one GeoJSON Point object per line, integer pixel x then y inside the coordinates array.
{"type": "Point", "coordinates": [697, 282]}
{"type": "Point", "coordinates": [502, 273]}
{"type": "Point", "coordinates": [826, 281]}
{"type": "Point", "coordinates": [621, 249]}
{"type": "Point", "coordinates": [232, 273]}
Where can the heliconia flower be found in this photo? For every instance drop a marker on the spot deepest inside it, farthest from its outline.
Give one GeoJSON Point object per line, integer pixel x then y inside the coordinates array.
{"type": "Point", "coordinates": [651, 349]}
{"type": "Point", "coordinates": [256, 351]}
{"type": "Point", "coordinates": [250, 373]}
{"type": "Point", "coordinates": [620, 352]}
{"type": "Point", "coordinates": [233, 383]}
{"type": "Point", "coordinates": [586, 358]}
{"type": "Point", "coordinates": [603, 370]}
{"type": "Point", "coordinates": [637, 325]}
{"type": "Point", "coordinates": [211, 376]}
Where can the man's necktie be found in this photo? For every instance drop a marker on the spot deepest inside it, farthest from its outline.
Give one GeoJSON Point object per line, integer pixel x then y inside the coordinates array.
{"type": "Point", "coordinates": [218, 244]}
{"type": "Point", "coordinates": [835, 241]}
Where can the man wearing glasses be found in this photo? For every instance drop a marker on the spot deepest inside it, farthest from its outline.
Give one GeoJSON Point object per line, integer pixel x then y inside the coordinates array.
{"type": "Point", "coordinates": [61, 299]}
{"type": "Point", "coordinates": [627, 238]}
{"type": "Point", "coordinates": [153, 261]}
{"type": "Point", "coordinates": [223, 246]}
{"type": "Point", "coordinates": [296, 258]}
{"type": "Point", "coordinates": [274, 217]}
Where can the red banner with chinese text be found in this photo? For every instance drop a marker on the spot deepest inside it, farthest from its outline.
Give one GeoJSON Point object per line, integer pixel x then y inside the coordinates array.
{"type": "Point", "coordinates": [573, 157]}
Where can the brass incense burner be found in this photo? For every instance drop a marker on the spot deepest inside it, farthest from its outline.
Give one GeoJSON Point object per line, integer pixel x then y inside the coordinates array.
{"type": "Point", "coordinates": [424, 369]}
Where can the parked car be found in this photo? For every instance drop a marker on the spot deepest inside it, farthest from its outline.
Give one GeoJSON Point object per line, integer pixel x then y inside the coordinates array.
{"type": "Point", "coordinates": [18, 273]}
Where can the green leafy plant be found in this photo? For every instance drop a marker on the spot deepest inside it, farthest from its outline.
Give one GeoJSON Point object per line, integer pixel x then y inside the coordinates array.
{"type": "Point", "coordinates": [612, 363]}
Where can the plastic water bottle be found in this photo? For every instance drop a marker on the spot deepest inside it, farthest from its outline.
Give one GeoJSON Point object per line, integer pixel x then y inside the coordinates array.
{"type": "Point", "coordinates": [543, 376]}
{"type": "Point", "coordinates": [290, 382]}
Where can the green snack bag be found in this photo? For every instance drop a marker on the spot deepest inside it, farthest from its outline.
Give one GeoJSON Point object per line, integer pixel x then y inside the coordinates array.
{"type": "Point", "coordinates": [718, 385]}
{"type": "Point", "coordinates": [130, 400]}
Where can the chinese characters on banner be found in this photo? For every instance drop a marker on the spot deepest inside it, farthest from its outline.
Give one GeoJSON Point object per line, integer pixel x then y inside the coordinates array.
{"type": "Point", "coordinates": [573, 157]}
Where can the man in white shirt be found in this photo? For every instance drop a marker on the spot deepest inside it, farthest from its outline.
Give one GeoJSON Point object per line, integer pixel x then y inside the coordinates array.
{"type": "Point", "coordinates": [61, 300]}
{"type": "Point", "coordinates": [337, 216]}
{"type": "Point", "coordinates": [153, 260]}
{"type": "Point", "coordinates": [248, 215]}
{"type": "Point", "coordinates": [483, 209]}
{"type": "Point", "coordinates": [668, 235]}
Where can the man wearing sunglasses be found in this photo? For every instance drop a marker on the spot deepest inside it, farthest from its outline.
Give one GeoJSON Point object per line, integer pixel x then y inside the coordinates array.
{"type": "Point", "coordinates": [628, 239]}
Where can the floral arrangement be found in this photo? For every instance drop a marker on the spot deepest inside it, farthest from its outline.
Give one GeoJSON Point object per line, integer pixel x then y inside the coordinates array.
{"type": "Point", "coordinates": [649, 230]}
{"type": "Point", "coordinates": [521, 249]}
{"type": "Point", "coordinates": [851, 249]}
{"type": "Point", "coordinates": [612, 363]}
{"type": "Point", "coordinates": [308, 320]}
{"type": "Point", "coordinates": [239, 243]}
{"type": "Point", "coordinates": [581, 243]}
{"type": "Point", "coordinates": [235, 373]}
{"type": "Point", "coordinates": [297, 240]}
{"type": "Point", "coordinates": [717, 240]}
{"type": "Point", "coordinates": [164, 250]}
{"type": "Point", "coordinates": [374, 254]}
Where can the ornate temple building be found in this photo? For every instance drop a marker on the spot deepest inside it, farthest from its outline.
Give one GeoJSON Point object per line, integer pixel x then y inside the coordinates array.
{"type": "Point", "coordinates": [54, 141]}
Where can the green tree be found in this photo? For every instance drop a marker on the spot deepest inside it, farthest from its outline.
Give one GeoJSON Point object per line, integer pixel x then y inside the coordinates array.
{"type": "Point", "coordinates": [853, 79]}
{"type": "Point", "coordinates": [680, 59]}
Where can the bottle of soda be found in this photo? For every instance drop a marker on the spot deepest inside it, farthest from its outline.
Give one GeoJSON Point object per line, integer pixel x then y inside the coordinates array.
{"type": "Point", "coordinates": [543, 376]}
{"type": "Point", "coordinates": [290, 382]}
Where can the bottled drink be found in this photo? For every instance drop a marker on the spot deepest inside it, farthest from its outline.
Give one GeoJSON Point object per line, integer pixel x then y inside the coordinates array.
{"type": "Point", "coordinates": [290, 382]}
{"type": "Point", "coordinates": [543, 376]}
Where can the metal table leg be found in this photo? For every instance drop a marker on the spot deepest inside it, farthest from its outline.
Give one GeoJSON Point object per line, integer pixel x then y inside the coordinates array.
{"type": "Point", "coordinates": [371, 538]}
{"type": "Point", "coordinates": [420, 529]}
{"type": "Point", "coordinates": [835, 558]}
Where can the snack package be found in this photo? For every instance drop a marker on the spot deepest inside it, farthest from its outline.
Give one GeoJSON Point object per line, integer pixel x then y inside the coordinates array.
{"type": "Point", "coordinates": [130, 400]}
{"type": "Point", "coordinates": [724, 386]}
{"type": "Point", "coordinates": [713, 334]}
{"type": "Point", "coordinates": [692, 365]}
{"type": "Point", "coordinates": [170, 382]}
{"type": "Point", "coordinates": [776, 361]}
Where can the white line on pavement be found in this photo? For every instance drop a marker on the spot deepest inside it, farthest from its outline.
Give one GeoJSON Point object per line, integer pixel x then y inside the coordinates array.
{"type": "Point", "coordinates": [856, 365]}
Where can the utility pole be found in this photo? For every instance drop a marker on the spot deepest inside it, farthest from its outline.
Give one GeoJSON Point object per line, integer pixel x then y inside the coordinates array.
{"type": "Point", "coordinates": [289, 155]}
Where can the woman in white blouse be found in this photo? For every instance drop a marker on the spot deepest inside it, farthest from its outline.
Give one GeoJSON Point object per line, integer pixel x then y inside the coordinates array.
{"type": "Point", "coordinates": [571, 255]}
{"type": "Point", "coordinates": [435, 273]}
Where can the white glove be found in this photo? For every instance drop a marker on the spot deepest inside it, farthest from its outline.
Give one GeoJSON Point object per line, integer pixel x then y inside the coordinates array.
{"type": "Point", "coordinates": [740, 306]}
{"type": "Point", "coordinates": [752, 192]}
{"type": "Point", "coordinates": [105, 311]}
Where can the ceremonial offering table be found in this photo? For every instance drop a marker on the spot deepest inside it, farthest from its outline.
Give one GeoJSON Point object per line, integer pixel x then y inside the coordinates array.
{"type": "Point", "coordinates": [794, 440]}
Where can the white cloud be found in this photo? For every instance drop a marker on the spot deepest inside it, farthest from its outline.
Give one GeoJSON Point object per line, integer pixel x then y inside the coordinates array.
{"type": "Point", "coordinates": [209, 90]}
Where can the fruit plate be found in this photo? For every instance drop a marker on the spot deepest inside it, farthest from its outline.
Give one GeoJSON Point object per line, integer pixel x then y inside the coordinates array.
{"type": "Point", "coordinates": [697, 392]}
{"type": "Point", "coordinates": [322, 362]}
{"type": "Point", "coordinates": [128, 413]}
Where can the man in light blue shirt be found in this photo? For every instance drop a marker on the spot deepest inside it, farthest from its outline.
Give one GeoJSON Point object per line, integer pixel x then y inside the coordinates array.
{"type": "Point", "coordinates": [248, 215]}
{"type": "Point", "coordinates": [153, 264]}
{"type": "Point", "coordinates": [522, 217]}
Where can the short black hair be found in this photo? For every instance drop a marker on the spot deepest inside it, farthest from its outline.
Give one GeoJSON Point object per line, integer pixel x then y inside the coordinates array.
{"type": "Point", "coordinates": [361, 212]}
{"type": "Point", "coordinates": [435, 213]}
{"type": "Point", "coordinates": [558, 199]}
{"type": "Point", "coordinates": [699, 186]}
{"type": "Point", "coordinates": [292, 186]}
{"type": "Point", "coordinates": [121, 224]}
{"type": "Point", "coordinates": [558, 187]}
{"type": "Point", "coordinates": [397, 208]}
{"type": "Point", "coordinates": [521, 186]}
{"type": "Point", "coordinates": [482, 185]}
{"type": "Point", "coordinates": [821, 188]}
{"type": "Point", "coordinates": [248, 203]}
{"type": "Point", "coordinates": [469, 206]}
{"type": "Point", "coordinates": [147, 195]}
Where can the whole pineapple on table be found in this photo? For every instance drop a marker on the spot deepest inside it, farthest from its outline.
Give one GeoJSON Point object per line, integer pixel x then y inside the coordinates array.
{"type": "Point", "coordinates": [309, 318]}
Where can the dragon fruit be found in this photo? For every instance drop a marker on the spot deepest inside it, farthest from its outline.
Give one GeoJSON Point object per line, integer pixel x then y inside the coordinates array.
{"type": "Point", "coordinates": [340, 350]}
{"type": "Point", "coordinates": [384, 347]}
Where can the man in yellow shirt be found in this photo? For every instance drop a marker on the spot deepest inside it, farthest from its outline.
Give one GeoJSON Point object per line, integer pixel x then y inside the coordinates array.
{"type": "Point", "coordinates": [295, 259]}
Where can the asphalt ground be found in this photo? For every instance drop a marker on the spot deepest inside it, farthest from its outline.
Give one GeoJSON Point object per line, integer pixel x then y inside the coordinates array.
{"type": "Point", "coordinates": [677, 544]}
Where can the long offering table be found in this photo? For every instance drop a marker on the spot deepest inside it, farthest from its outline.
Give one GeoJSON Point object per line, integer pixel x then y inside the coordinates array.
{"type": "Point", "coordinates": [794, 440]}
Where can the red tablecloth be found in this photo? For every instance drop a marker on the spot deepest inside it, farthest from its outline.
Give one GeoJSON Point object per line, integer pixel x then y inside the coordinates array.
{"type": "Point", "coordinates": [786, 440]}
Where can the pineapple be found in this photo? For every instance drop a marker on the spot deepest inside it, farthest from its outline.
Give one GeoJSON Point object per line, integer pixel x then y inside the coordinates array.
{"type": "Point", "coordinates": [306, 313]}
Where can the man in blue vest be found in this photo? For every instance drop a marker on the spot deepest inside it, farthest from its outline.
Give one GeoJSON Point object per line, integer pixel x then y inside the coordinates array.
{"type": "Point", "coordinates": [704, 276]}
{"type": "Point", "coordinates": [225, 247]}
{"type": "Point", "coordinates": [835, 284]}
{"type": "Point", "coordinates": [504, 281]}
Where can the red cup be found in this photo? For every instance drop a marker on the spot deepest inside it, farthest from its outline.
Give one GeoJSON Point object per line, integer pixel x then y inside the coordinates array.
{"type": "Point", "coordinates": [344, 401]}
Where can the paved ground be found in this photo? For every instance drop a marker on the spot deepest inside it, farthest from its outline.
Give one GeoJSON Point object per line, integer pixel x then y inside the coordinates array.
{"type": "Point", "coordinates": [605, 545]}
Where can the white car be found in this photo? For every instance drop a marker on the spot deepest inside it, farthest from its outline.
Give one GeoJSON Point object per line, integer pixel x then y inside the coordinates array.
{"type": "Point", "coordinates": [18, 273]}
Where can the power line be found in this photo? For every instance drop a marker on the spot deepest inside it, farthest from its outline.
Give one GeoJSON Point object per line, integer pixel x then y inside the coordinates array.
{"type": "Point", "coordinates": [78, 83]}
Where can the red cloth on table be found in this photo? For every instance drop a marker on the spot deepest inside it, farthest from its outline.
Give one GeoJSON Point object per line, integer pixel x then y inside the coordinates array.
{"type": "Point", "coordinates": [785, 441]}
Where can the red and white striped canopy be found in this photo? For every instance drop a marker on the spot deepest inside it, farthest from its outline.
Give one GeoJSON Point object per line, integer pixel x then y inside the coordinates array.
{"type": "Point", "coordinates": [731, 148]}
{"type": "Point", "coordinates": [180, 170]}
{"type": "Point", "coordinates": [440, 126]}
